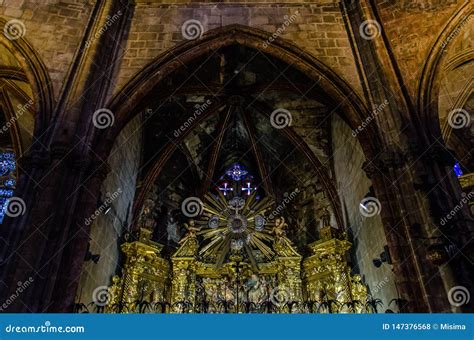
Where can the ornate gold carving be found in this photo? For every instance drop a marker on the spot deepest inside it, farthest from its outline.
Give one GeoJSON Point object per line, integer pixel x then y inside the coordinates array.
{"type": "Point", "coordinates": [145, 278]}
{"type": "Point", "coordinates": [327, 277]}
{"type": "Point", "coordinates": [271, 276]}
{"type": "Point", "coordinates": [467, 181]}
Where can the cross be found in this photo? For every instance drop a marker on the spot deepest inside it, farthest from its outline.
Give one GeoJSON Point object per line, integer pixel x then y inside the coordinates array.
{"type": "Point", "coordinates": [248, 189]}
{"type": "Point", "coordinates": [225, 188]}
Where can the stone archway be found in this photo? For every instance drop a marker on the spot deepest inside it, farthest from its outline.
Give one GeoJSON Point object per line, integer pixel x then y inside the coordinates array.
{"type": "Point", "coordinates": [429, 86]}
{"type": "Point", "coordinates": [124, 104]}
{"type": "Point", "coordinates": [133, 97]}
{"type": "Point", "coordinates": [35, 73]}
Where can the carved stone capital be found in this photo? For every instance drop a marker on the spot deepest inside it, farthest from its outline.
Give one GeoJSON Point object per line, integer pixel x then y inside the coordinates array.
{"type": "Point", "coordinates": [434, 154]}
{"type": "Point", "coordinates": [385, 160]}
{"type": "Point", "coordinates": [98, 168]}
{"type": "Point", "coordinates": [393, 159]}
{"type": "Point", "coordinates": [372, 168]}
{"type": "Point", "coordinates": [59, 150]}
{"type": "Point", "coordinates": [35, 159]}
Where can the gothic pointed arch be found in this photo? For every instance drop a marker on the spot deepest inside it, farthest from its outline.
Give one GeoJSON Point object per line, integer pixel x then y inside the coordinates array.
{"type": "Point", "coordinates": [351, 107]}
{"type": "Point", "coordinates": [133, 97]}
{"type": "Point", "coordinates": [433, 70]}
{"type": "Point", "coordinates": [32, 70]}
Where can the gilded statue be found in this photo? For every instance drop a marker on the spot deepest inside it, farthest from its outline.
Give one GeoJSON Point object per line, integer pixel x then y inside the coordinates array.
{"type": "Point", "coordinates": [192, 231]}
{"type": "Point", "coordinates": [280, 226]}
{"type": "Point", "coordinates": [256, 289]}
{"type": "Point", "coordinates": [358, 289]}
{"type": "Point", "coordinates": [114, 293]}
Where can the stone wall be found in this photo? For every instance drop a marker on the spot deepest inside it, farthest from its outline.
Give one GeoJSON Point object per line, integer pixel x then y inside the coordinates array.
{"type": "Point", "coordinates": [368, 232]}
{"type": "Point", "coordinates": [53, 28]}
{"type": "Point", "coordinates": [119, 187]}
{"type": "Point", "coordinates": [412, 28]}
{"type": "Point", "coordinates": [317, 28]}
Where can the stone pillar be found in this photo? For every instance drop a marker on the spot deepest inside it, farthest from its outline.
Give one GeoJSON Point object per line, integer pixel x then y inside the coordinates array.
{"type": "Point", "coordinates": [61, 179]}
{"type": "Point", "coordinates": [409, 174]}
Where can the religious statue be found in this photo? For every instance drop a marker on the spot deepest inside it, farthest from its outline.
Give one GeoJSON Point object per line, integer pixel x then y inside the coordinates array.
{"type": "Point", "coordinates": [172, 229]}
{"type": "Point", "coordinates": [256, 290]}
{"type": "Point", "coordinates": [279, 228]}
{"type": "Point", "coordinates": [147, 218]}
{"type": "Point", "coordinates": [114, 293]}
{"type": "Point", "coordinates": [326, 217]}
{"type": "Point", "coordinates": [359, 292]}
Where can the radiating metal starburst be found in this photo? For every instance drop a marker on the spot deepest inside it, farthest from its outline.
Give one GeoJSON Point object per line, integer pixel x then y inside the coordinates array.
{"type": "Point", "coordinates": [235, 225]}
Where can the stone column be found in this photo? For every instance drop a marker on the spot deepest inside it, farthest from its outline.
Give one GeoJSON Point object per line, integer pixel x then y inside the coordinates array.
{"type": "Point", "coordinates": [408, 172]}
{"type": "Point", "coordinates": [61, 179]}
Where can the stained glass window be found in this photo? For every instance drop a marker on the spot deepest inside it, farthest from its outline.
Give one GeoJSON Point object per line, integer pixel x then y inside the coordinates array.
{"type": "Point", "coordinates": [236, 172]}
{"type": "Point", "coordinates": [7, 180]}
{"type": "Point", "coordinates": [236, 182]}
{"type": "Point", "coordinates": [457, 169]}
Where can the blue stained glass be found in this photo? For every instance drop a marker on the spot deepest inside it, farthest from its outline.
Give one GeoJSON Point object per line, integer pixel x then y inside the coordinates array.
{"type": "Point", "coordinates": [6, 192]}
{"type": "Point", "coordinates": [225, 188]}
{"type": "Point", "coordinates": [3, 208]}
{"type": "Point", "coordinates": [7, 186]}
{"type": "Point", "coordinates": [7, 155]}
{"type": "Point", "coordinates": [248, 189]}
{"type": "Point", "coordinates": [7, 163]}
{"type": "Point", "coordinates": [9, 182]}
{"type": "Point", "coordinates": [457, 169]}
{"type": "Point", "coordinates": [236, 172]}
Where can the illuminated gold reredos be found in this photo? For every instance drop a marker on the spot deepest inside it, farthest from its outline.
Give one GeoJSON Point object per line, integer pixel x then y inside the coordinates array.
{"type": "Point", "coordinates": [236, 225]}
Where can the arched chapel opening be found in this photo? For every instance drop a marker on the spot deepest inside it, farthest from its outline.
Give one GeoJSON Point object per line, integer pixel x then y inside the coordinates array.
{"type": "Point", "coordinates": [304, 161]}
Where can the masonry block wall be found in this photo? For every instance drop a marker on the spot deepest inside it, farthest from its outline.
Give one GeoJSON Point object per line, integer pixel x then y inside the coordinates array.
{"type": "Point", "coordinates": [317, 28]}
{"type": "Point", "coordinates": [409, 28]}
{"type": "Point", "coordinates": [367, 232]}
{"type": "Point", "coordinates": [54, 29]}
{"type": "Point", "coordinates": [118, 189]}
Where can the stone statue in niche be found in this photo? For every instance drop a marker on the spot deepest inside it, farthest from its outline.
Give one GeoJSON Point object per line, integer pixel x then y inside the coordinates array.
{"type": "Point", "coordinates": [172, 228]}
{"type": "Point", "coordinates": [147, 217]}
{"type": "Point", "coordinates": [326, 218]}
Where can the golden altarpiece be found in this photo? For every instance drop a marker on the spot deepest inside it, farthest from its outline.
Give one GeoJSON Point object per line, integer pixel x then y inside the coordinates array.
{"type": "Point", "coordinates": [233, 259]}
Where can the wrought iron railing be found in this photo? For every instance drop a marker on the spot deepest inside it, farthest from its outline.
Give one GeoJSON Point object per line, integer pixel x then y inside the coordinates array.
{"type": "Point", "coordinates": [225, 307]}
